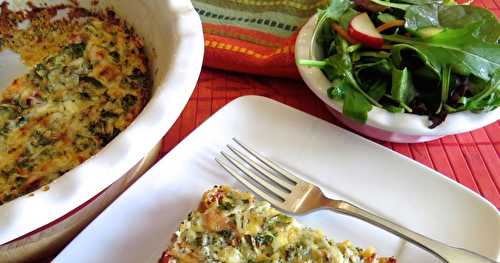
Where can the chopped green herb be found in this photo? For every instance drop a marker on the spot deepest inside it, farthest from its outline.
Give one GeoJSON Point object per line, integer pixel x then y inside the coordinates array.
{"type": "Point", "coordinates": [115, 55]}
{"type": "Point", "coordinates": [128, 101]}
{"type": "Point", "coordinates": [92, 81]}
{"type": "Point", "coordinates": [76, 50]}
{"type": "Point", "coordinates": [226, 206]}
{"type": "Point", "coordinates": [263, 239]}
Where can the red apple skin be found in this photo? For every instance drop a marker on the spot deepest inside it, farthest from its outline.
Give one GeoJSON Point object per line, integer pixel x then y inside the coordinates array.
{"type": "Point", "coordinates": [374, 42]}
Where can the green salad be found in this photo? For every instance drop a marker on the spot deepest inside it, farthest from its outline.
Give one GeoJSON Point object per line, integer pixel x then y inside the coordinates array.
{"type": "Point", "coordinates": [425, 57]}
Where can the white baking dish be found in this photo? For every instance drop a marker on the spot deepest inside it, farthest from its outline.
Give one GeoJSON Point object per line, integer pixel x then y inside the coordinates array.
{"type": "Point", "coordinates": [174, 44]}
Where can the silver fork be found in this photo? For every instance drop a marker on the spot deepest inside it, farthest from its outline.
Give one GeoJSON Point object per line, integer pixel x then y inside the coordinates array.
{"type": "Point", "coordinates": [294, 195]}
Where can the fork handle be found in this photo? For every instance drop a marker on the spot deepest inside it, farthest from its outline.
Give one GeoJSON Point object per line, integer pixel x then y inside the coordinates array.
{"type": "Point", "coordinates": [442, 251]}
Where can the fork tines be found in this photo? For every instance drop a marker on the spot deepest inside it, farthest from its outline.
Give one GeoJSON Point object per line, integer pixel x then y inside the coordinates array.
{"type": "Point", "coordinates": [270, 181]}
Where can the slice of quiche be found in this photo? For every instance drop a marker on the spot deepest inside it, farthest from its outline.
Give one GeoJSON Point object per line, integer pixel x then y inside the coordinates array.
{"type": "Point", "coordinates": [232, 226]}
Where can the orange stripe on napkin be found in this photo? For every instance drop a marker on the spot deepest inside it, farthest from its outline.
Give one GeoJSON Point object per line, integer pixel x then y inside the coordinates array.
{"type": "Point", "coordinates": [242, 56]}
{"type": "Point", "coordinates": [248, 35]}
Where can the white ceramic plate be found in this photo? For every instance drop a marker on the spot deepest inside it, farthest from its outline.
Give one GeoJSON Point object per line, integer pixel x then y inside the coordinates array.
{"type": "Point", "coordinates": [138, 226]}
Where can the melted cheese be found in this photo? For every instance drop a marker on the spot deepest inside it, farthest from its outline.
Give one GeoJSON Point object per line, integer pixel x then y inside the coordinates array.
{"type": "Point", "coordinates": [231, 226]}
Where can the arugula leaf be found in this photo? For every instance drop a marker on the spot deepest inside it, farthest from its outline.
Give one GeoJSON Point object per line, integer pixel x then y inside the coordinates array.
{"type": "Point", "coordinates": [378, 90]}
{"type": "Point", "coordinates": [325, 39]}
{"type": "Point", "coordinates": [385, 17]}
{"type": "Point", "coordinates": [346, 17]}
{"type": "Point", "coordinates": [392, 4]}
{"type": "Point", "coordinates": [402, 90]}
{"type": "Point", "coordinates": [394, 109]}
{"type": "Point", "coordinates": [356, 105]}
{"type": "Point", "coordinates": [445, 87]}
{"type": "Point", "coordinates": [376, 54]}
{"type": "Point", "coordinates": [457, 47]}
{"type": "Point", "coordinates": [368, 73]}
{"type": "Point", "coordinates": [488, 98]}
{"type": "Point", "coordinates": [312, 63]}
{"type": "Point", "coordinates": [337, 8]}
{"type": "Point", "coordinates": [426, 77]}
{"type": "Point", "coordinates": [340, 61]}
{"type": "Point", "coordinates": [341, 65]}
{"type": "Point", "coordinates": [338, 89]}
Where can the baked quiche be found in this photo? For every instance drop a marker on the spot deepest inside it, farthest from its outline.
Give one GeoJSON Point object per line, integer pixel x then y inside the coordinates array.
{"type": "Point", "coordinates": [88, 86]}
{"type": "Point", "coordinates": [232, 226]}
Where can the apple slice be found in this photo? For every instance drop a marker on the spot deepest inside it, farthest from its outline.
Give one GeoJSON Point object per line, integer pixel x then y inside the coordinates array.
{"type": "Point", "coordinates": [362, 29]}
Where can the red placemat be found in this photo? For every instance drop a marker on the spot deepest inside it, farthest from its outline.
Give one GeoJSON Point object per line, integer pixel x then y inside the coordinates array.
{"type": "Point", "coordinates": [471, 158]}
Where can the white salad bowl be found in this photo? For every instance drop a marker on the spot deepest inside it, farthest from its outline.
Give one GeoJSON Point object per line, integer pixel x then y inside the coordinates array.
{"type": "Point", "coordinates": [39, 224]}
{"type": "Point", "coordinates": [381, 124]}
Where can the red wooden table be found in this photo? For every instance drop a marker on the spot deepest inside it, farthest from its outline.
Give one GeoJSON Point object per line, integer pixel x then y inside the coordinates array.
{"type": "Point", "coordinates": [471, 158]}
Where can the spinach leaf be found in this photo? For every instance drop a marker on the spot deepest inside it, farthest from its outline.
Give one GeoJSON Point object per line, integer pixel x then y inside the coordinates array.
{"type": "Point", "coordinates": [382, 66]}
{"type": "Point", "coordinates": [404, 55]}
{"type": "Point", "coordinates": [76, 50]}
{"type": "Point", "coordinates": [457, 47]}
{"type": "Point", "coordinates": [421, 16]}
{"type": "Point", "coordinates": [7, 112]}
{"type": "Point", "coordinates": [264, 239]}
{"type": "Point", "coordinates": [402, 90]}
{"type": "Point", "coordinates": [356, 105]}
{"type": "Point", "coordinates": [455, 17]}
{"type": "Point", "coordinates": [422, 2]}
{"type": "Point", "coordinates": [459, 16]}
{"type": "Point", "coordinates": [92, 81]}
{"type": "Point", "coordinates": [128, 101]}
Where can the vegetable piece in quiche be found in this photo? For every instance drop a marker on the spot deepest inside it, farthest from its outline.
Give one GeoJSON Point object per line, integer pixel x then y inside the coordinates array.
{"type": "Point", "coordinates": [231, 226]}
{"type": "Point", "coordinates": [73, 101]}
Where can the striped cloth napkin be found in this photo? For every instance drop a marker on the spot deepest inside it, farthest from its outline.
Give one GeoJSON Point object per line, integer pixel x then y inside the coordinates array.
{"type": "Point", "coordinates": [258, 36]}
{"type": "Point", "coordinates": [254, 36]}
